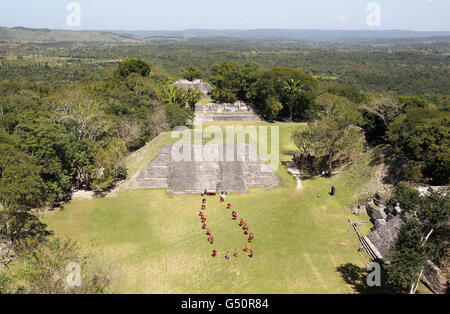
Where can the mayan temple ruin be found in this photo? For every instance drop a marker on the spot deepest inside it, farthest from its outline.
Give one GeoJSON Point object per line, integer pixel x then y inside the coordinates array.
{"type": "Point", "coordinates": [238, 111]}
{"type": "Point", "coordinates": [216, 170]}
{"type": "Point", "coordinates": [186, 85]}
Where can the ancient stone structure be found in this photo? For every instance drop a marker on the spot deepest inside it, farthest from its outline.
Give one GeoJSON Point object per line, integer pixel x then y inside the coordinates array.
{"type": "Point", "coordinates": [204, 87]}
{"type": "Point", "coordinates": [434, 278]}
{"type": "Point", "coordinates": [230, 167]}
{"type": "Point", "coordinates": [237, 107]}
{"type": "Point", "coordinates": [384, 234]}
{"type": "Point", "coordinates": [380, 242]}
{"type": "Point", "coordinates": [375, 212]}
{"type": "Point", "coordinates": [379, 200]}
{"type": "Point", "coordinates": [387, 224]}
{"type": "Point", "coordinates": [238, 111]}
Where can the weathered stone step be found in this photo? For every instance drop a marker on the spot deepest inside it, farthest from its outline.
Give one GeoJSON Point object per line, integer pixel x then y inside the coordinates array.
{"type": "Point", "coordinates": [245, 169]}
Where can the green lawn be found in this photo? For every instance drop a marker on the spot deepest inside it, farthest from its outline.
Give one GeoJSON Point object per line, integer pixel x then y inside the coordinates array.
{"type": "Point", "coordinates": [156, 245]}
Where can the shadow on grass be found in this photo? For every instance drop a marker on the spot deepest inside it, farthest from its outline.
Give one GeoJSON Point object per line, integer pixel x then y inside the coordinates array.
{"type": "Point", "coordinates": [356, 277]}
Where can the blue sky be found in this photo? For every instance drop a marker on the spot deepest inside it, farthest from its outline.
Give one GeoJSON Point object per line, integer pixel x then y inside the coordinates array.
{"type": "Point", "coordinates": [227, 14]}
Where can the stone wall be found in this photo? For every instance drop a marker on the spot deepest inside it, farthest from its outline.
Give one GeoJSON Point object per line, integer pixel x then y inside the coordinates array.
{"type": "Point", "coordinates": [204, 118]}
{"type": "Point", "coordinates": [385, 234]}
{"type": "Point", "coordinates": [204, 87]}
{"type": "Point", "coordinates": [238, 111]}
{"type": "Point", "coordinates": [434, 278]}
{"type": "Point", "coordinates": [238, 107]}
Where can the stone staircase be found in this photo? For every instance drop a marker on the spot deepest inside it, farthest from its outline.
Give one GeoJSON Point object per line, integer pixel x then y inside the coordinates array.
{"type": "Point", "coordinates": [156, 173]}
{"type": "Point", "coordinates": [245, 169]}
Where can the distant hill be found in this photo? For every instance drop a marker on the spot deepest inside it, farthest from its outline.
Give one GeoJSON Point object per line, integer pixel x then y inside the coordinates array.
{"type": "Point", "coordinates": [47, 35]}
{"type": "Point", "coordinates": [289, 34]}
{"type": "Point", "coordinates": [123, 36]}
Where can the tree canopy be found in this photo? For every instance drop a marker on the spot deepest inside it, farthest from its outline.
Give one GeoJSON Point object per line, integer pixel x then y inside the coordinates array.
{"type": "Point", "coordinates": [133, 65]}
{"type": "Point", "coordinates": [423, 135]}
{"type": "Point", "coordinates": [335, 135]}
{"type": "Point", "coordinates": [192, 73]}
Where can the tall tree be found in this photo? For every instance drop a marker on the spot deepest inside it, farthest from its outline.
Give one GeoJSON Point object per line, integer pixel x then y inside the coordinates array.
{"type": "Point", "coordinates": [335, 135]}
{"type": "Point", "coordinates": [426, 218]}
{"type": "Point", "coordinates": [423, 135]}
{"type": "Point", "coordinates": [274, 106]}
{"type": "Point", "coordinates": [192, 73]}
{"type": "Point", "coordinates": [76, 110]}
{"type": "Point", "coordinates": [408, 257]}
{"type": "Point", "coordinates": [133, 65]}
{"type": "Point", "coordinates": [59, 267]}
{"type": "Point", "coordinates": [108, 165]}
{"type": "Point", "coordinates": [193, 96]}
{"type": "Point", "coordinates": [21, 190]}
{"type": "Point", "coordinates": [292, 88]}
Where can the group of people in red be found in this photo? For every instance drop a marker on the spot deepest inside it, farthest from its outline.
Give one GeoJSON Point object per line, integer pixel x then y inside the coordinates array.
{"type": "Point", "coordinates": [203, 219]}
{"type": "Point", "coordinates": [235, 254]}
{"type": "Point", "coordinates": [244, 226]}
{"type": "Point", "coordinates": [234, 216]}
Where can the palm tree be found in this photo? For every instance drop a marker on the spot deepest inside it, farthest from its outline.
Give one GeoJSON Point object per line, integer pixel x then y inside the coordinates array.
{"type": "Point", "coordinates": [174, 95]}
{"type": "Point", "coordinates": [292, 87]}
{"type": "Point", "coordinates": [192, 97]}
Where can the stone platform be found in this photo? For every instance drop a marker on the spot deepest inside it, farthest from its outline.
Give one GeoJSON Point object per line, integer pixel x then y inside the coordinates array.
{"type": "Point", "coordinates": [230, 167]}
{"type": "Point", "coordinates": [238, 111]}
{"type": "Point", "coordinates": [186, 85]}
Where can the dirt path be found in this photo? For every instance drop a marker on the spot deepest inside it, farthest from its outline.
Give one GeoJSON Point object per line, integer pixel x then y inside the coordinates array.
{"type": "Point", "coordinates": [293, 170]}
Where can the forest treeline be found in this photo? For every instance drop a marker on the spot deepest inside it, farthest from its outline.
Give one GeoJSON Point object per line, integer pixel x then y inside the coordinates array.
{"type": "Point", "coordinates": [390, 67]}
